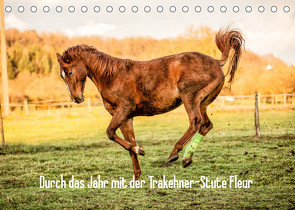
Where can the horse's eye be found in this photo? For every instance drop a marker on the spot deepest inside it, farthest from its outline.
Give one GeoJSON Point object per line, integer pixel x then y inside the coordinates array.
{"type": "Point", "coordinates": [71, 73]}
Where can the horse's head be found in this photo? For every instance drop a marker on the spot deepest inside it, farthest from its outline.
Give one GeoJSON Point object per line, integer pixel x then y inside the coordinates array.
{"type": "Point", "coordinates": [74, 73]}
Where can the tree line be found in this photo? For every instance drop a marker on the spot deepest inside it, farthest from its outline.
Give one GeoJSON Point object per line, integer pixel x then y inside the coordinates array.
{"type": "Point", "coordinates": [34, 72]}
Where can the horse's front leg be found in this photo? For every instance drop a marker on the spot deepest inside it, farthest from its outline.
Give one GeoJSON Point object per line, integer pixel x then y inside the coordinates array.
{"type": "Point", "coordinates": [128, 133]}
{"type": "Point", "coordinates": [119, 117]}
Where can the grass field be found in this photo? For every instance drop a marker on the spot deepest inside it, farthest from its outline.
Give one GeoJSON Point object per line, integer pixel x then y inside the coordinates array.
{"type": "Point", "coordinates": [74, 143]}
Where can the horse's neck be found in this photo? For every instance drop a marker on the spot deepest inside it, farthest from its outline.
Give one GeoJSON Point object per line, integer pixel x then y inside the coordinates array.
{"type": "Point", "coordinates": [92, 72]}
{"type": "Point", "coordinates": [96, 79]}
{"type": "Point", "coordinates": [94, 69]}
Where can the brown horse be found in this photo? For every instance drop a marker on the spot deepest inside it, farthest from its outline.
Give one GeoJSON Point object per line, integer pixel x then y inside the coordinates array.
{"type": "Point", "coordinates": [145, 88]}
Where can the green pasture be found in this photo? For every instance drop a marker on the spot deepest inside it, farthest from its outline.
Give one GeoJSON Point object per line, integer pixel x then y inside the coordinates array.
{"type": "Point", "coordinates": [73, 142]}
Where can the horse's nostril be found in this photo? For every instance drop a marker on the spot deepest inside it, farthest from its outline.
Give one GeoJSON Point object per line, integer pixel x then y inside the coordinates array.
{"type": "Point", "coordinates": [79, 100]}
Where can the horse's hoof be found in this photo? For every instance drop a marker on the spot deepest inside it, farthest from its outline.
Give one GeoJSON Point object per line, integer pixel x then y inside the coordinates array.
{"type": "Point", "coordinates": [139, 150]}
{"type": "Point", "coordinates": [186, 162]}
{"type": "Point", "coordinates": [173, 157]}
{"type": "Point", "coordinates": [137, 175]}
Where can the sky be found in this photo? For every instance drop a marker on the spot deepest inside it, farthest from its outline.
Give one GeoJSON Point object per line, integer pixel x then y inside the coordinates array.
{"type": "Point", "coordinates": [265, 32]}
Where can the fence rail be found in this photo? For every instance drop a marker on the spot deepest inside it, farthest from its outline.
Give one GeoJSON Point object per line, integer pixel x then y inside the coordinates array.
{"type": "Point", "coordinates": [243, 100]}
{"type": "Point", "coordinates": [275, 99]}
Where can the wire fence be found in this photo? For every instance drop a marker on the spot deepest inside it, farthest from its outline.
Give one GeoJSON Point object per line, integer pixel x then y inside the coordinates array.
{"type": "Point", "coordinates": [221, 101]}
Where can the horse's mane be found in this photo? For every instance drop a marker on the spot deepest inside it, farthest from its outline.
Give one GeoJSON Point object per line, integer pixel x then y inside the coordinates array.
{"type": "Point", "coordinates": [104, 64]}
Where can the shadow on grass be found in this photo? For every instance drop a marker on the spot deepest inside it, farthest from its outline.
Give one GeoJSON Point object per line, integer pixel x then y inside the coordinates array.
{"type": "Point", "coordinates": [33, 149]}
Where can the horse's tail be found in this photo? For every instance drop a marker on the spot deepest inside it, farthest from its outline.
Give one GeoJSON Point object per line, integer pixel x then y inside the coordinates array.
{"type": "Point", "coordinates": [227, 39]}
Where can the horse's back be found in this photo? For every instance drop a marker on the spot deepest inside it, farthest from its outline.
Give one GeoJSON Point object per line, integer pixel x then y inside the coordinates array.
{"type": "Point", "coordinates": [160, 82]}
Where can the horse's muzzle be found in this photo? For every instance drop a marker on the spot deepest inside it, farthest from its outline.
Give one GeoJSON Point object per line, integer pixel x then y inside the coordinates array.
{"type": "Point", "coordinates": [79, 100]}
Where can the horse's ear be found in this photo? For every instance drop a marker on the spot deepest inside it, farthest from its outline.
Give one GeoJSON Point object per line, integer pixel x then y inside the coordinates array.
{"type": "Point", "coordinates": [58, 57]}
{"type": "Point", "coordinates": [67, 58]}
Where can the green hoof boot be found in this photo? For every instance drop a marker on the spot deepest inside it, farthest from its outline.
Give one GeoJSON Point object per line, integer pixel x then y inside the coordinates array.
{"type": "Point", "coordinates": [191, 149]}
{"type": "Point", "coordinates": [186, 162]}
{"type": "Point", "coordinates": [173, 157]}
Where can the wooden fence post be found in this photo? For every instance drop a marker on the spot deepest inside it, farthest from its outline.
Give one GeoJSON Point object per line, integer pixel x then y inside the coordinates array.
{"type": "Point", "coordinates": [256, 114]}
{"type": "Point", "coordinates": [1, 128]}
{"type": "Point", "coordinates": [49, 110]}
{"type": "Point", "coordinates": [89, 104]}
{"type": "Point", "coordinates": [26, 107]}
{"type": "Point", "coordinates": [4, 62]}
{"type": "Point", "coordinates": [68, 100]}
{"type": "Point", "coordinates": [223, 101]}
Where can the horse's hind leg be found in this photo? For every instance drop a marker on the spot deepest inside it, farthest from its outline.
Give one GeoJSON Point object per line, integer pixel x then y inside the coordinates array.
{"type": "Point", "coordinates": [128, 133]}
{"type": "Point", "coordinates": [196, 117]}
{"type": "Point", "coordinates": [195, 120]}
{"type": "Point", "coordinates": [208, 125]}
